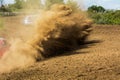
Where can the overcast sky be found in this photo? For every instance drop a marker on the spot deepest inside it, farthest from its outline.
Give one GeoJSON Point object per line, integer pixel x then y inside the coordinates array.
{"type": "Point", "coordinates": [108, 4]}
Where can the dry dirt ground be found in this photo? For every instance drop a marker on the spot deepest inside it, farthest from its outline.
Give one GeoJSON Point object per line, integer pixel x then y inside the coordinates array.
{"type": "Point", "coordinates": [99, 59]}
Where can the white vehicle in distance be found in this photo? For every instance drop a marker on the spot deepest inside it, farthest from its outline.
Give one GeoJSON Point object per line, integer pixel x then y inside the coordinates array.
{"type": "Point", "coordinates": [30, 19]}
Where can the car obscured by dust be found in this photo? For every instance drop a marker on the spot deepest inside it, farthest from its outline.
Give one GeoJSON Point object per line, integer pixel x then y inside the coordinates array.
{"type": "Point", "coordinates": [58, 30]}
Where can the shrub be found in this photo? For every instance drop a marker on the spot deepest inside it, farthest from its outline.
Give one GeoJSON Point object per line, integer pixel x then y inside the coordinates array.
{"type": "Point", "coordinates": [102, 16]}
{"type": "Point", "coordinates": [108, 17]}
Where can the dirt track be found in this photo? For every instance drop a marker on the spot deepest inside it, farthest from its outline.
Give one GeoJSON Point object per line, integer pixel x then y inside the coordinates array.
{"type": "Point", "coordinates": [98, 60]}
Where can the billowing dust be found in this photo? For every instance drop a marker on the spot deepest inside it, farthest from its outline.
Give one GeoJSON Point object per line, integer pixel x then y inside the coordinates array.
{"type": "Point", "coordinates": [58, 30]}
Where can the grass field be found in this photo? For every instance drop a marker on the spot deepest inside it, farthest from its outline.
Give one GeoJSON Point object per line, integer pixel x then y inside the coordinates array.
{"type": "Point", "coordinates": [99, 59]}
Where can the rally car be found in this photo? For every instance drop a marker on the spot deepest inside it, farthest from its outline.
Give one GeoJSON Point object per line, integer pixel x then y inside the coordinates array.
{"type": "Point", "coordinates": [3, 46]}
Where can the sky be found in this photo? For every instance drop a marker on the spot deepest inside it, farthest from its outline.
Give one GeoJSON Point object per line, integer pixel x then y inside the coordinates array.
{"type": "Point", "coordinates": [108, 4]}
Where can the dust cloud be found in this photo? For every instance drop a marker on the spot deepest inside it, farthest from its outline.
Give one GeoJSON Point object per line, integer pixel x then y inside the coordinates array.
{"type": "Point", "coordinates": [58, 30]}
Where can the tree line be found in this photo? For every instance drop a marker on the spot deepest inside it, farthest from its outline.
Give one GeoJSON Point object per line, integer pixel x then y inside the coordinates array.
{"type": "Point", "coordinates": [19, 4]}
{"type": "Point", "coordinates": [33, 4]}
{"type": "Point", "coordinates": [27, 4]}
{"type": "Point", "coordinates": [99, 14]}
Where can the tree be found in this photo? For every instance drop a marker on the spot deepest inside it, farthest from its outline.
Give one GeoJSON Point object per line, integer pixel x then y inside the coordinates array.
{"type": "Point", "coordinates": [1, 2]}
{"type": "Point", "coordinates": [48, 3]}
{"type": "Point", "coordinates": [102, 16]}
{"type": "Point", "coordinates": [3, 8]}
{"type": "Point", "coordinates": [31, 4]}
{"type": "Point", "coordinates": [25, 4]}
{"type": "Point", "coordinates": [95, 8]}
{"type": "Point", "coordinates": [19, 4]}
{"type": "Point", "coordinates": [101, 9]}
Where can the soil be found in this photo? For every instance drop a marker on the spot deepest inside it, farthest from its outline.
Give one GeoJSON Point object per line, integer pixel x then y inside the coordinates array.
{"type": "Point", "coordinates": [98, 59]}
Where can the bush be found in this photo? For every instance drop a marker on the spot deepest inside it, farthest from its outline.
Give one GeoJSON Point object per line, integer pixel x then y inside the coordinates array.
{"type": "Point", "coordinates": [107, 17]}
{"type": "Point", "coordinates": [102, 16]}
